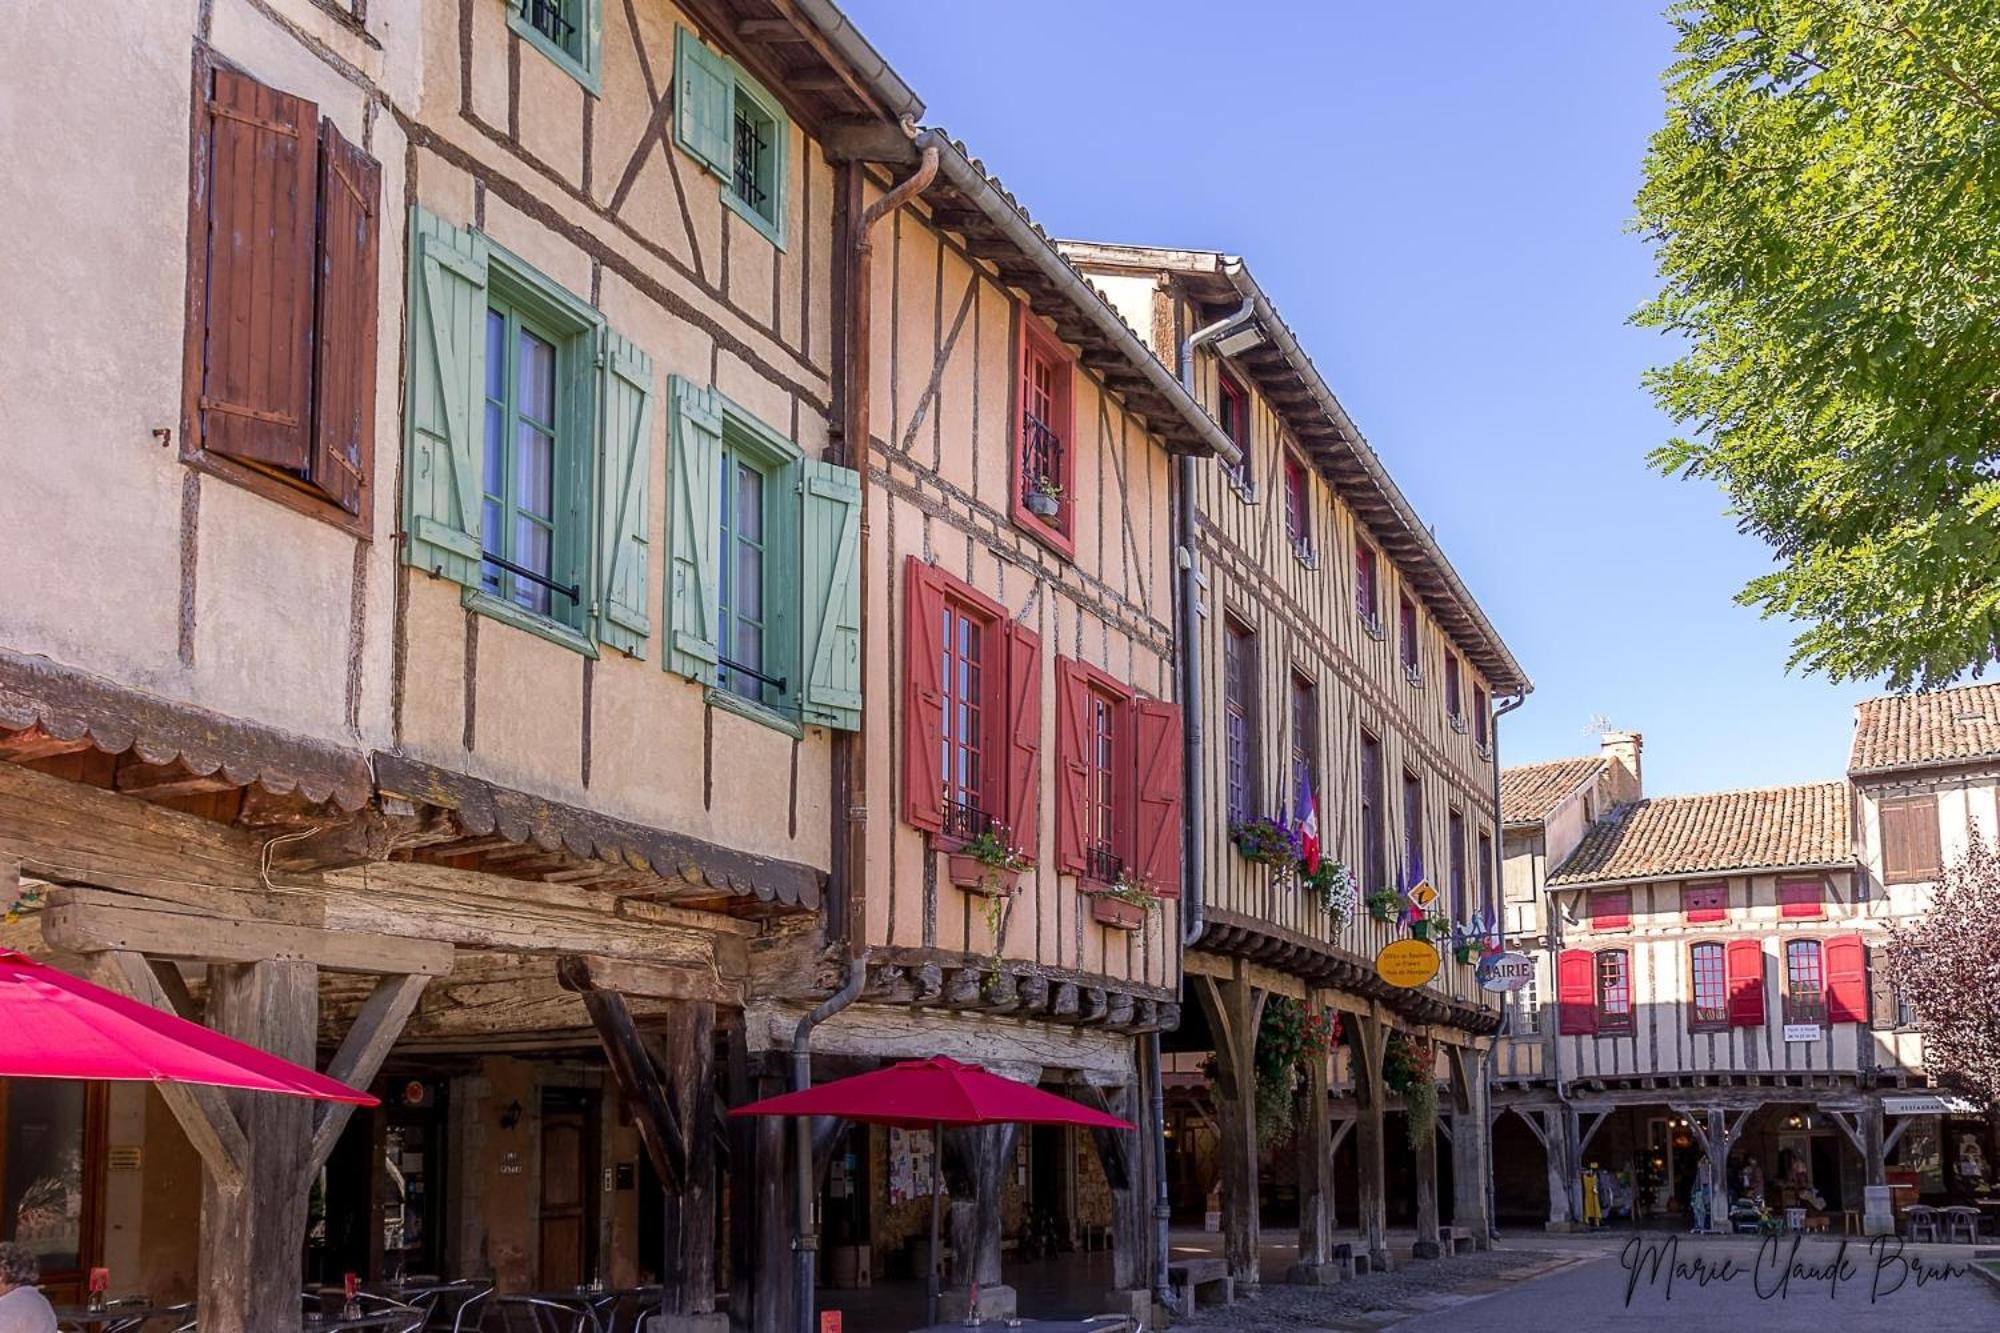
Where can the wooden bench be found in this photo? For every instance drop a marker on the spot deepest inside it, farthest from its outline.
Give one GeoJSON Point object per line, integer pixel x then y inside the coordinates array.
{"type": "Point", "coordinates": [1194, 1278]}
{"type": "Point", "coordinates": [1459, 1240]}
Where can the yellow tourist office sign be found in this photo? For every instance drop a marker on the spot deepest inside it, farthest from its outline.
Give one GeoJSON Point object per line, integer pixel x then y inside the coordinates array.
{"type": "Point", "coordinates": [1406, 962]}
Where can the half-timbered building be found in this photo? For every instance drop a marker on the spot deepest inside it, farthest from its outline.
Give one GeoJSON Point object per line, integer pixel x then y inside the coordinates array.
{"type": "Point", "coordinates": [1339, 666]}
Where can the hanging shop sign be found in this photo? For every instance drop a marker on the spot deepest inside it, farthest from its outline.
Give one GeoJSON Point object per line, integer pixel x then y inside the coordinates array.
{"type": "Point", "coordinates": [1801, 1032]}
{"type": "Point", "coordinates": [1942, 1104]}
{"type": "Point", "coordinates": [1422, 896]}
{"type": "Point", "coordinates": [1508, 971]}
{"type": "Point", "coordinates": [1407, 963]}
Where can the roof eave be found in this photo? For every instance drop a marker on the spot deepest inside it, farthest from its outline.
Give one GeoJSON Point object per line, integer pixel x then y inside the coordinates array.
{"type": "Point", "coordinates": [1616, 881]}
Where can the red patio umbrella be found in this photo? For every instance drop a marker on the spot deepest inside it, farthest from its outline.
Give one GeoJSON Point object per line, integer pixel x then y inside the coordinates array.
{"type": "Point", "coordinates": [60, 1026]}
{"type": "Point", "coordinates": [935, 1092]}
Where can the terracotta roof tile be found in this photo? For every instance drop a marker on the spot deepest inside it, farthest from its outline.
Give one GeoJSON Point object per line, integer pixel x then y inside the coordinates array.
{"type": "Point", "coordinates": [1530, 793]}
{"type": "Point", "coordinates": [1766, 829]}
{"type": "Point", "coordinates": [1926, 730]}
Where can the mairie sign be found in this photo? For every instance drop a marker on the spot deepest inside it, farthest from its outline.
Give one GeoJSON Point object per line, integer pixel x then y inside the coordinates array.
{"type": "Point", "coordinates": [1406, 962]}
{"type": "Point", "coordinates": [1505, 971]}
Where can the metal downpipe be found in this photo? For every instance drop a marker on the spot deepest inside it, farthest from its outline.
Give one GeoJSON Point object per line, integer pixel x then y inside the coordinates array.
{"type": "Point", "coordinates": [805, 1245]}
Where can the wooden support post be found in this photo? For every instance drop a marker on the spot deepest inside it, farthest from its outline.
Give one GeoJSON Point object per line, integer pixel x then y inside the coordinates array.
{"type": "Point", "coordinates": [1234, 1009]}
{"type": "Point", "coordinates": [1554, 1133]}
{"type": "Point", "coordinates": [1471, 1146]}
{"type": "Point", "coordinates": [771, 1271]}
{"type": "Point", "coordinates": [362, 1052]}
{"type": "Point", "coordinates": [1879, 1215]}
{"type": "Point", "coordinates": [1120, 1152]}
{"type": "Point", "coordinates": [1314, 1265]}
{"type": "Point", "coordinates": [977, 1163]}
{"type": "Point", "coordinates": [252, 1235]}
{"type": "Point", "coordinates": [1371, 1038]}
{"type": "Point", "coordinates": [690, 1070]}
{"type": "Point", "coordinates": [1425, 1149]}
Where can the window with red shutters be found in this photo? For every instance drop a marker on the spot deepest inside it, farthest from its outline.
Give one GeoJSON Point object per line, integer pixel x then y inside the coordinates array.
{"type": "Point", "coordinates": [1480, 718]}
{"type": "Point", "coordinates": [1801, 898]}
{"type": "Point", "coordinates": [1805, 982]}
{"type": "Point", "coordinates": [1118, 771]}
{"type": "Point", "coordinates": [1614, 991]}
{"type": "Point", "coordinates": [1705, 903]}
{"type": "Point", "coordinates": [1454, 703]}
{"type": "Point", "coordinates": [972, 685]}
{"type": "Point", "coordinates": [1367, 588]}
{"type": "Point", "coordinates": [1156, 821]}
{"type": "Point", "coordinates": [1746, 983]}
{"type": "Point", "coordinates": [1044, 452]}
{"type": "Point", "coordinates": [1611, 909]}
{"type": "Point", "coordinates": [1910, 850]}
{"type": "Point", "coordinates": [283, 243]}
{"type": "Point", "coordinates": [1232, 413]}
{"type": "Point", "coordinates": [1576, 993]}
{"type": "Point", "coordinates": [1846, 980]}
{"type": "Point", "coordinates": [1710, 1008]}
{"type": "Point", "coordinates": [1298, 509]}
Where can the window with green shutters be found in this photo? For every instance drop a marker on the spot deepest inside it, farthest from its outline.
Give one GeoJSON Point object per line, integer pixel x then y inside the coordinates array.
{"type": "Point", "coordinates": [728, 122]}
{"type": "Point", "coordinates": [529, 445]}
{"type": "Point", "coordinates": [568, 32]}
{"type": "Point", "coordinates": [762, 589]}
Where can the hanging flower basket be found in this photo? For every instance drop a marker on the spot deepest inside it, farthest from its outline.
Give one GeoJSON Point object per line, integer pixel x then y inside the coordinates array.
{"type": "Point", "coordinates": [976, 876]}
{"type": "Point", "coordinates": [1421, 928]}
{"type": "Point", "coordinates": [1382, 904]}
{"type": "Point", "coordinates": [1470, 952]}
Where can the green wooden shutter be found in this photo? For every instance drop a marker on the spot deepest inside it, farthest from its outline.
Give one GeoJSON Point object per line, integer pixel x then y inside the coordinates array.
{"type": "Point", "coordinates": [705, 102]}
{"type": "Point", "coordinates": [694, 478]}
{"type": "Point", "coordinates": [830, 579]}
{"type": "Point", "coordinates": [442, 483]}
{"type": "Point", "coordinates": [625, 469]}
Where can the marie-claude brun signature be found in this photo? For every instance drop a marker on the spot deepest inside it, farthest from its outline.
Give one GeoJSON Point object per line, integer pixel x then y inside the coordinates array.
{"type": "Point", "coordinates": [1779, 1272]}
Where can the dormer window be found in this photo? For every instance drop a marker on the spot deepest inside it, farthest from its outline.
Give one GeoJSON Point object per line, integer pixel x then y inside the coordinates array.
{"type": "Point", "coordinates": [1232, 413]}
{"type": "Point", "coordinates": [1367, 589]}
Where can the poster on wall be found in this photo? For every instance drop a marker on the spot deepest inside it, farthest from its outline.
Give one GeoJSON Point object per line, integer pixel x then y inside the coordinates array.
{"type": "Point", "coordinates": [910, 1160]}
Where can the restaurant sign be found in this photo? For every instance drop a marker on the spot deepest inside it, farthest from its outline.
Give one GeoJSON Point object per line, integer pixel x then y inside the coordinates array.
{"type": "Point", "coordinates": [1508, 971]}
{"type": "Point", "coordinates": [1406, 963]}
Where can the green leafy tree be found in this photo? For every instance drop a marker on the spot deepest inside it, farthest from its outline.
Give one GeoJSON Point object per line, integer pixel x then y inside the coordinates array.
{"type": "Point", "coordinates": [1824, 200]}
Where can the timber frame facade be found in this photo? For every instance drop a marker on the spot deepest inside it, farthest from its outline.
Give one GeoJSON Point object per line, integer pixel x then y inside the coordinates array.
{"type": "Point", "coordinates": [1338, 654]}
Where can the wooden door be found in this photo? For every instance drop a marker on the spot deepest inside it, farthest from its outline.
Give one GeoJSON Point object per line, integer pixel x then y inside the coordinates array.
{"type": "Point", "coordinates": [569, 1193]}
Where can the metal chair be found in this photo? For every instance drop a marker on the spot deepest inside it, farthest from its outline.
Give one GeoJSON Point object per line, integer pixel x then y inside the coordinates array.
{"type": "Point", "coordinates": [464, 1302]}
{"type": "Point", "coordinates": [1920, 1217]}
{"type": "Point", "coordinates": [184, 1316]}
{"type": "Point", "coordinates": [532, 1314]}
{"type": "Point", "coordinates": [1959, 1218]}
{"type": "Point", "coordinates": [417, 1311]}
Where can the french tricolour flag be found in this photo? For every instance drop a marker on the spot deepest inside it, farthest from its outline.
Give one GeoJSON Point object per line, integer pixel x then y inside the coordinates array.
{"type": "Point", "coordinates": [1309, 830]}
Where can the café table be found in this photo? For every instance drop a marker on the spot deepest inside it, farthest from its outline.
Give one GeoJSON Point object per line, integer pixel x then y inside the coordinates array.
{"type": "Point", "coordinates": [112, 1318]}
{"type": "Point", "coordinates": [1100, 1324]}
{"type": "Point", "coordinates": [338, 1323]}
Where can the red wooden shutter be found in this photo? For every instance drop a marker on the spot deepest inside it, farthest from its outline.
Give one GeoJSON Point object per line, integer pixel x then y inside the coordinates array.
{"type": "Point", "coordinates": [1023, 745]}
{"type": "Point", "coordinates": [1801, 898]}
{"type": "Point", "coordinates": [1576, 993]}
{"type": "Point", "coordinates": [350, 194]}
{"type": "Point", "coordinates": [1611, 909]}
{"type": "Point", "coordinates": [1846, 980]}
{"type": "Point", "coordinates": [255, 394]}
{"type": "Point", "coordinates": [1156, 825]}
{"type": "Point", "coordinates": [1072, 776]}
{"type": "Point", "coordinates": [1746, 983]}
{"type": "Point", "coordinates": [923, 696]}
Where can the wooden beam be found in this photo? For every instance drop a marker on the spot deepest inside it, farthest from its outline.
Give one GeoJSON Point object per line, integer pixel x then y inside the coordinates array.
{"type": "Point", "coordinates": [91, 927]}
{"type": "Point", "coordinates": [659, 1124]}
{"type": "Point", "coordinates": [360, 1056]}
{"type": "Point", "coordinates": [174, 986]}
{"type": "Point", "coordinates": [650, 980]}
{"type": "Point", "coordinates": [203, 1113]}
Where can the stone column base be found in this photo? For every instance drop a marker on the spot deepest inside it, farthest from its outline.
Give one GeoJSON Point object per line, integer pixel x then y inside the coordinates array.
{"type": "Point", "coordinates": [1314, 1275]}
{"type": "Point", "coordinates": [995, 1302]}
{"type": "Point", "coordinates": [1136, 1304]}
{"type": "Point", "coordinates": [1425, 1249]}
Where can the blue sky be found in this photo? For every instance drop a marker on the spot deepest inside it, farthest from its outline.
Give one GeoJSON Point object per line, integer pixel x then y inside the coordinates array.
{"type": "Point", "coordinates": [1435, 193]}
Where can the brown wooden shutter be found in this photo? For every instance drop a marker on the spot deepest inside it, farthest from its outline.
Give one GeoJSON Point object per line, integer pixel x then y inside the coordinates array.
{"type": "Point", "coordinates": [254, 395]}
{"type": "Point", "coordinates": [1072, 774]}
{"type": "Point", "coordinates": [350, 195]}
{"type": "Point", "coordinates": [1910, 850]}
{"type": "Point", "coordinates": [1023, 744]}
{"type": "Point", "coordinates": [1881, 991]}
{"type": "Point", "coordinates": [923, 696]}
{"type": "Point", "coordinates": [1157, 809]}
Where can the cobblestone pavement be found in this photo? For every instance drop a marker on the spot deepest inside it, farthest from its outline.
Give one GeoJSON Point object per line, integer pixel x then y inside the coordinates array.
{"type": "Point", "coordinates": [1378, 1299]}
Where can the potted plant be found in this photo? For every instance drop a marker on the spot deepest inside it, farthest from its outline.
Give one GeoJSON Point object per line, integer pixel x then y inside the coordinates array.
{"type": "Point", "coordinates": [1383, 903]}
{"type": "Point", "coordinates": [1045, 495]}
{"type": "Point", "coordinates": [1421, 927]}
{"type": "Point", "coordinates": [988, 864]}
{"type": "Point", "coordinates": [1265, 841]}
{"type": "Point", "coordinates": [1469, 951]}
{"type": "Point", "coordinates": [1123, 905]}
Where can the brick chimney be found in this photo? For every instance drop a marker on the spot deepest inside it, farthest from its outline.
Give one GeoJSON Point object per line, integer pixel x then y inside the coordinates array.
{"type": "Point", "coordinates": [1623, 783]}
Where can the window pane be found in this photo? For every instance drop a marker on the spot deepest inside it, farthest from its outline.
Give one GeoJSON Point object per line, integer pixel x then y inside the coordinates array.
{"type": "Point", "coordinates": [496, 355]}
{"type": "Point", "coordinates": [531, 551]}
{"type": "Point", "coordinates": [494, 531]}
{"type": "Point", "coordinates": [749, 582]}
{"type": "Point", "coordinates": [534, 472]}
{"type": "Point", "coordinates": [749, 503]}
{"type": "Point", "coordinates": [537, 373]}
{"type": "Point", "coordinates": [43, 1203]}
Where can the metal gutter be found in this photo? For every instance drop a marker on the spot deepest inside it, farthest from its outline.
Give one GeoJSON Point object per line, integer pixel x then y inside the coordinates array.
{"type": "Point", "coordinates": [861, 56]}
{"type": "Point", "coordinates": [1000, 209]}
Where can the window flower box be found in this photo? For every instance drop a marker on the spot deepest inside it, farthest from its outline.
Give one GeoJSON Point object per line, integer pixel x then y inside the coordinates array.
{"type": "Point", "coordinates": [1265, 841]}
{"type": "Point", "coordinates": [976, 876]}
{"type": "Point", "coordinates": [1117, 913]}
